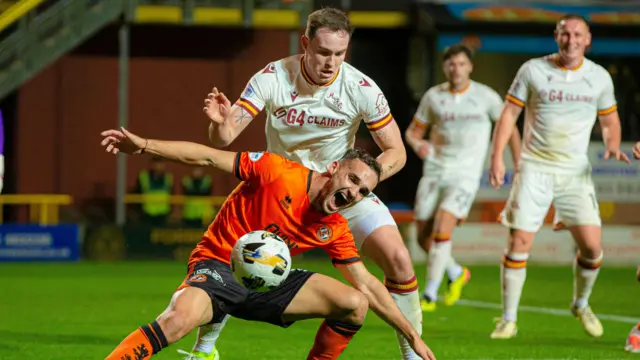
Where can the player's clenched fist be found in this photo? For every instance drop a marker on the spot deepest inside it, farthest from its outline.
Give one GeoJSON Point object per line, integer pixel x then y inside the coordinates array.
{"type": "Point", "coordinates": [217, 106]}
{"type": "Point", "coordinates": [116, 141]}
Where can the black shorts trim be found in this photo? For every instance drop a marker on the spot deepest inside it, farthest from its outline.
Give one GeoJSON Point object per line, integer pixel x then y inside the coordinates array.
{"type": "Point", "coordinates": [270, 306]}
{"type": "Point", "coordinates": [345, 261]}
{"type": "Point", "coordinates": [229, 297]}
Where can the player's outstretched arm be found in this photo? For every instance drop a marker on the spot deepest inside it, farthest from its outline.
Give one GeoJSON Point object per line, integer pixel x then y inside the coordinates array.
{"type": "Point", "coordinates": [394, 154]}
{"type": "Point", "coordinates": [116, 141]}
{"type": "Point", "coordinates": [382, 304]}
{"type": "Point", "coordinates": [501, 136]}
{"type": "Point", "coordinates": [227, 121]}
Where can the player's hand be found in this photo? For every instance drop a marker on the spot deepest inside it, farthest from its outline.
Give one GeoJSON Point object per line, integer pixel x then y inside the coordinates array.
{"type": "Point", "coordinates": [422, 149]}
{"type": "Point", "coordinates": [116, 141]}
{"type": "Point", "coordinates": [496, 173]}
{"type": "Point", "coordinates": [421, 349]}
{"type": "Point", "coordinates": [217, 106]}
{"type": "Point", "coordinates": [636, 150]}
{"type": "Point", "coordinates": [616, 154]}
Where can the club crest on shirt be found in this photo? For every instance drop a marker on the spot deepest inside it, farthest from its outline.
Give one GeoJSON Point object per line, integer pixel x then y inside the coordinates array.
{"type": "Point", "coordinates": [324, 233]}
{"type": "Point", "coordinates": [381, 104]}
{"type": "Point", "coordinates": [255, 156]}
{"type": "Point", "coordinates": [335, 101]}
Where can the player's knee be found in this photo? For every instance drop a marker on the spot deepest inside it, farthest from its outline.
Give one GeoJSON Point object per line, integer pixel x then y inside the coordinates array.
{"type": "Point", "coordinates": [401, 267]}
{"type": "Point", "coordinates": [175, 324]}
{"type": "Point", "coordinates": [588, 239]}
{"type": "Point", "coordinates": [355, 305]}
{"type": "Point", "coordinates": [520, 241]}
{"type": "Point", "coordinates": [591, 251]}
{"type": "Point", "coordinates": [183, 314]}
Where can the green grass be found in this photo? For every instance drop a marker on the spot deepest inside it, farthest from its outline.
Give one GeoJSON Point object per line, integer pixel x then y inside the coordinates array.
{"type": "Point", "coordinates": [82, 311]}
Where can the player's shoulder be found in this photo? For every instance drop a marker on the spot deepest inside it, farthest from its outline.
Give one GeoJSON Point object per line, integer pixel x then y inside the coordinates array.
{"type": "Point", "coordinates": [278, 69]}
{"type": "Point", "coordinates": [538, 62]}
{"type": "Point", "coordinates": [354, 79]}
{"type": "Point", "coordinates": [291, 171]}
{"type": "Point", "coordinates": [595, 69]}
{"type": "Point", "coordinates": [441, 88]}
{"type": "Point", "coordinates": [435, 91]}
{"type": "Point", "coordinates": [482, 89]}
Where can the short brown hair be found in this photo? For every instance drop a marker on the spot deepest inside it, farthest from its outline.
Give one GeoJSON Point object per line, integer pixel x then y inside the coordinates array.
{"type": "Point", "coordinates": [456, 49]}
{"type": "Point", "coordinates": [573, 17]}
{"type": "Point", "coordinates": [365, 157]}
{"type": "Point", "coordinates": [330, 18]}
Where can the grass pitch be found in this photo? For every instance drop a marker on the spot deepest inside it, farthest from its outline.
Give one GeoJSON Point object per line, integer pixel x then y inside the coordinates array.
{"type": "Point", "coordinates": [83, 310]}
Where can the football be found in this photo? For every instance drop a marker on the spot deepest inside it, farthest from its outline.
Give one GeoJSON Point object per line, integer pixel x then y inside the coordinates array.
{"type": "Point", "coordinates": [260, 261]}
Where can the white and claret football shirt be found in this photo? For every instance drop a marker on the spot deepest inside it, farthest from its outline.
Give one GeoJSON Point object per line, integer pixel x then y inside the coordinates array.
{"type": "Point", "coordinates": [309, 123]}
{"type": "Point", "coordinates": [460, 127]}
{"type": "Point", "coordinates": [560, 110]}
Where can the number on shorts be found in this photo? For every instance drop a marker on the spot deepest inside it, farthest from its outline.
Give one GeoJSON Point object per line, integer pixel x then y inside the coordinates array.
{"type": "Point", "coordinates": [463, 199]}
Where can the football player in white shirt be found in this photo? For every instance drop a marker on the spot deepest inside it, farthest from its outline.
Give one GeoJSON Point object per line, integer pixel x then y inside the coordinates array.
{"type": "Point", "coordinates": [460, 113]}
{"type": "Point", "coordinates": [314, 104]}
{"type": "Point", "coordinates": [562, 95]}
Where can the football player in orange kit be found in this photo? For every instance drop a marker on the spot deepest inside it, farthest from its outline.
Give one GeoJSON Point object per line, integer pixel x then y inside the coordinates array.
{"type": "Point", "coordinates": [298, 204]}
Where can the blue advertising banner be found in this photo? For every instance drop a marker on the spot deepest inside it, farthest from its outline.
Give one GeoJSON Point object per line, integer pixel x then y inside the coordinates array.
{"type": "Point", "coordinates": [20, 242]}
{"type": "Point", "coordinates": [525, 44]}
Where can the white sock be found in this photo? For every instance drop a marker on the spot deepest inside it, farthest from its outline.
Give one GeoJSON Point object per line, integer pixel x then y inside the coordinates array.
{"type": "Point", "coordinates": [437, 261]}
{"type": "Point", "coordinates": [208, 335]}
{"type": "Point", "coordinates": [454, 270]}
{"type": "Point", "coordinates": [407, 298]}
{"type": "Point", "coordinates": [514, 273]}
{"type": "Point", "coordinates": [585, 273]}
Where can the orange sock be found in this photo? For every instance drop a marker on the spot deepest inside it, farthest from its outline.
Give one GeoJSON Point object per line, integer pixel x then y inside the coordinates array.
{"type": "Point", "coordinates": [140, 344]}
{"type": "Point", "coordinates": [331, 340]}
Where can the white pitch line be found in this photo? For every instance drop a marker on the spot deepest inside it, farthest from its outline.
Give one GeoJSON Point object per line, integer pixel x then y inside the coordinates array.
{"type": "Point", "coordinates": [543, 310]}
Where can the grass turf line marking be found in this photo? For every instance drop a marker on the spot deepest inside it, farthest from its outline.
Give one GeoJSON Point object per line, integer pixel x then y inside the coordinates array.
{"type": "Point", "coordinates": [548, 311]}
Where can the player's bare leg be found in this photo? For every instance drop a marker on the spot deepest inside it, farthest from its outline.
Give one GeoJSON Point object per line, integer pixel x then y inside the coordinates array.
{"type": "Point", "coordinates": [586, 267]}
{"type": "Point", "coordinates": [343, 308]}
{"type": "Point", "coordinates": [189, 308]}
{"type": "Point", "coordinates": [513, 271]}
{"type": "Point", "coordinates": [436, 241]}
{"type": "Point", "coordinates": [385, 247]}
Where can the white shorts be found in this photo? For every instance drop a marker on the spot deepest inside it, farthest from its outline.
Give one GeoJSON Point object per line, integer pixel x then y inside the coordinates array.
{"type": "Point", "coordinates": [366, 216]}
{"type": "Point", "coordinates": [533, 192]}
{"type": "Point", "coordinates": [453, 194]}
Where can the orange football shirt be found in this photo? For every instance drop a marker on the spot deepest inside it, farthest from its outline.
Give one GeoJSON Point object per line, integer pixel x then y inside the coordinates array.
{"type": "Point", "coordinates": [273, 196]}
